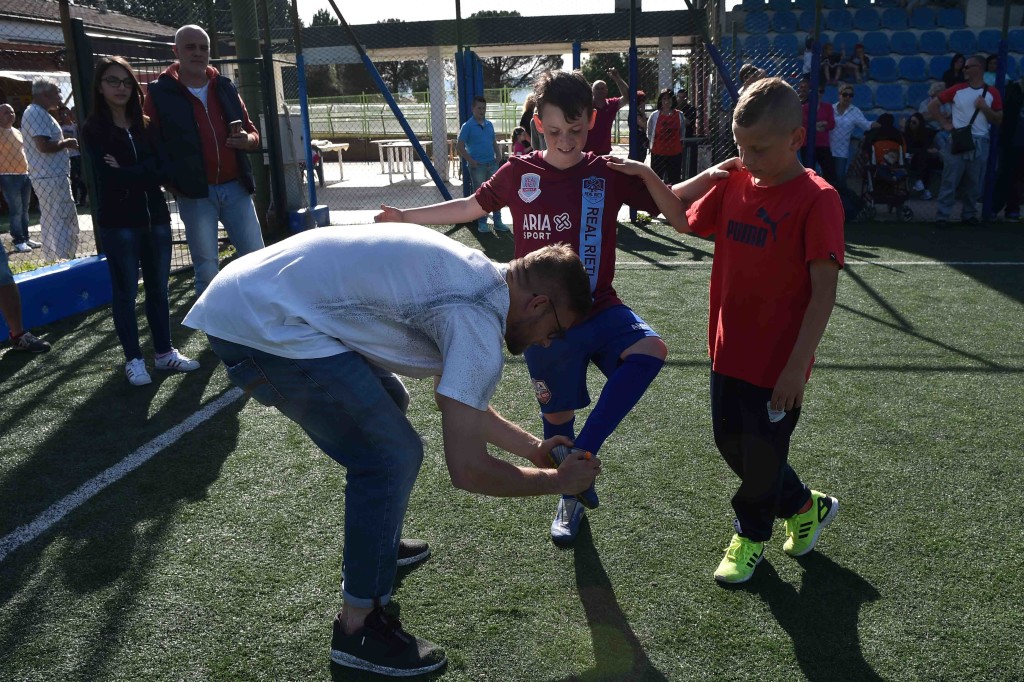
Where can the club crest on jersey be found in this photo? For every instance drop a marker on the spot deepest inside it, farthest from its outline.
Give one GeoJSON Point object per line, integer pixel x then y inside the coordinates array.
{"type": "Point", "coordinates": [529, 187]}
{"type": "Point", "coordinates": [542, 391]}
{"type": "Point", "coordinates": [593, 190]}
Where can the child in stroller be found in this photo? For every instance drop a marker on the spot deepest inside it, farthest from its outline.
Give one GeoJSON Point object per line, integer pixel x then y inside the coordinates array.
{"type": "Point", "coordinates": [886, 175]}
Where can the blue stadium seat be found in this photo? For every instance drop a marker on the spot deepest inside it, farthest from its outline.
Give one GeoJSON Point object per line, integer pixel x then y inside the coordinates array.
{"type": "Point", "coordinates": [806, 21]}
{"type": "Point", "coordinates": [916, 92]}
{"type": "Point", "coordinates": [844, 42]}
{"type": "Point", "coordinates": [876, 44]}
{"type": "Point", "coordinates": [923, 18]}
{"type": "Point", "coordinates": [903, 42]}
{"type": "Point", "coordinates": [894, 19]}
{"type": "Point", "coordinates": [725, 44]}
{"type": "Point", "coordinates": [839, 20]}
{"type": "Point", "coordinates": [963, 41]}
{"type": "Point", "coordinates": [890, 96]}
{"type": "Point", "coordinates": [938, 66]}
{"type": "Point", "coordinates": [804, 4]}
{"type": "Point", "coordinates": [883, 70]}
{"type": "Point", "coordinates": [757, 22]}
{"type": "Point", "coordinates": [831, 94]}
{"type": "Point", "coordinates": [857, 4]}
{"type": "Point", "coordinates": [779, 5]}
{"type": "Point", "coordinates": [752, 5]}
{"type": "Point", "coordinates": [950, 17]}
{"type": "Point", "coordinates": [863, 96]}
{"type": "Point", "coordinates": [913, 69]}
{"type": "Point", "coordinates": [756, 45]}
{"type": "Point", "coordinates": [988, 40]}
{"type": "Point", "coordinates": [1012, 66]}
{"type": "Point", "coordinates": [1016, 40]}
{"type": "Point", "coordinates": [932, 42]}
{"type": "Point", "coordinates": [786, 44]}
{"type": "Point", "coordinates": [867, 19]}
{"type": "Point", "coordinates": [887, 3]}
{"type": "Point", "coordinates": [784, 21]}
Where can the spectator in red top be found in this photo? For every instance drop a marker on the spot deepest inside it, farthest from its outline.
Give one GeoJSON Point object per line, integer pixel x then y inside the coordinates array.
{"type": "Point", "coordinates": [824, 122]}
{"type": "Point", "coordinates": [666, 128]}
{"type": "Point", "coordinates": [599, 140]}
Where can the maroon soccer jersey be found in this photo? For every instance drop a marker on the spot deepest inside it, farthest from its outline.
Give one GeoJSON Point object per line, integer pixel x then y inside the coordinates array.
{"type": "Point", "coordinates": [577, 206]}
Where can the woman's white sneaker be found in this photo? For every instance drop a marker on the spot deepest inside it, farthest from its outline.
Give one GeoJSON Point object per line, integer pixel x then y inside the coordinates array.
{"type": "Point", "coordinates": [136, 372]}
{"type": "Point", "coordinates": [174, 360]}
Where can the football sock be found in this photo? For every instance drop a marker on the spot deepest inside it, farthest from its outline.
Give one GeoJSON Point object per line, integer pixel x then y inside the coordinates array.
{"type": "Point", "coordinates": [568, 429]}
{"type": "Point", "coordinates": [624, 389]}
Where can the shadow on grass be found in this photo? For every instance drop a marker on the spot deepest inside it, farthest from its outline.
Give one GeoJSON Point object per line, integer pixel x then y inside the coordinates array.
{"type": "Point", "coordinates": [618, 654]}
{"type": "Point", "coordinates": [820, 617]}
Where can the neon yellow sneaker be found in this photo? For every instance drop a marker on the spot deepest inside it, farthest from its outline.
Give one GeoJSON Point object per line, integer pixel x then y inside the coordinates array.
{"type": "Point", "coordinates": [802, 530]}
{"type": "Point", "coordinates": [741, 558]}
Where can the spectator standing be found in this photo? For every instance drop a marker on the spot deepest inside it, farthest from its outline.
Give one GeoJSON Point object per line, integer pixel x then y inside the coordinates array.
{"type": "Point", "coordinates": [599, 139]}
{"type": "Point", "coordinates": [68, 127]}
{"type": "Point", "coordinates": [856, 67]}
{"type": "Point", "coordinates": [643, 139]}
{"type": "Point", "coordinates": [46, 150]}
{"type": "Point", "coordinates": [205, 128]}
{"type": "Point", "coordinates": [824, 123]}
{"type": "Point", "coordinates": [132, 219]}
{"type": "Point", "coordinates": [955, 73]}
{"type": "Point", "coordinates": [14, 182]}
{"type": "Point", "coordinates": [808, 57]}
{"type": "Point", "coordinates": [1009, 190]}
{"type": "Point", "coordinates": [689, 140]}
{"type": "Point", "coordinates": [666, 129]}
{"type": "Point", "coordinates": [922, 153]}
{"type": "Point", "coordinates": [848, 117]}
{"type": "Point", "coordinates": [965, 172]}
{"type": "Point", "coordinates": [521, 142]}
{"type": "Point", "coordinates": [10, 310]}
{"type": "Point", "coordinates": [478, 147]}
{"type": "Point", "coordinates": [322, 342]}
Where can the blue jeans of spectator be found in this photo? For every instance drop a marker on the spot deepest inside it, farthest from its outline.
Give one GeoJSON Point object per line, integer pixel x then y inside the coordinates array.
{"type": "Point", "coordinates": [17, 191]}
{"type": "Point", "coordinates": [230, 204]}
{"type": "Point", "coordinates": [126, 249]}
{"type": "Point", "coordinates": [355, 412]}
{"type": "Point", "coordinates": [479, 174]}
{"type": "Point", "coordinates": [963, 175]}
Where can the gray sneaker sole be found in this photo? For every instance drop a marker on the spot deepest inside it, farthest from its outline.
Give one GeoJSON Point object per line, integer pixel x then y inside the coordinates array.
{"type": "Point", "coordinates": [349, 661]}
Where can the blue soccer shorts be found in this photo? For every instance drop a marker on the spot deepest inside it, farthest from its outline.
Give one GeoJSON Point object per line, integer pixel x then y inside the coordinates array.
{"type": "Point", "coordinates": [559, 372]}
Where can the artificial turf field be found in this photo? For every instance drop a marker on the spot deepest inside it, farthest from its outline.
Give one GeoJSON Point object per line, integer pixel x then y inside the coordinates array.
{"type": "Point", "coordinates": [219, 557]}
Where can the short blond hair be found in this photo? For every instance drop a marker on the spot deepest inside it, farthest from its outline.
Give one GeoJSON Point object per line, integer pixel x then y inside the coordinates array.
{"type": "Point", "coordinates": [769, 99]}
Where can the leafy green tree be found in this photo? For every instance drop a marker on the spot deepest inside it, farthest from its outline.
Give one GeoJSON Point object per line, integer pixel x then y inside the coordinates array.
{"type": "Point", "coordinates": [513, 72]}
{"type": "Point", "coordinates": [324, 18]}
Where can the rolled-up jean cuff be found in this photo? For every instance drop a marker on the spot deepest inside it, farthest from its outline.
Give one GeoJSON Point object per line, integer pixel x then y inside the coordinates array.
{"type": "Point", "coordinates": [363, 603]}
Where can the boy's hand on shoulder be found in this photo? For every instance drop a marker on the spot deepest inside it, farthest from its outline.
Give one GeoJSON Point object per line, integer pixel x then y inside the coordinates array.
{"type": "Point", "coordinates": [789, 389]}
{"type": "Point", "coordinates": [389, 214]}
{"type": "Point", "coordinates": [722, 170]}
{"type": "Point", "coordinates": [628, 166]}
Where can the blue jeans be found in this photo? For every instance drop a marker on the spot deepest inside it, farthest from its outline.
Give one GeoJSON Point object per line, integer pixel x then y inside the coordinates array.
{"type": "Point", "coordinates": [479, 174]}
{"type": "Point", "coordinates": [17, 191]}
{"type": "Point", "coordinates": [355, 412]}
{"type": "Point", "coordinates": [963, 172]}
{"type": "Point", "coordinates": [842, 168]}
{"type": "Point", "coordinates": [125, 249]}
{"type": "Point", "coordinates": [231, 204]}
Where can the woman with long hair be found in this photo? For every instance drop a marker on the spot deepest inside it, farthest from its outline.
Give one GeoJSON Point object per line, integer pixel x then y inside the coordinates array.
{"type": "Point", "coordinates": [955, 73]}
{"type": "Point", "coordinates": [133, 223]}
{"type": "Point", "coordinates": [666, 128]}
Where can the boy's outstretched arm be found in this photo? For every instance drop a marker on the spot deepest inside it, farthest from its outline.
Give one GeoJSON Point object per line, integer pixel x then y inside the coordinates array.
{"type": "Point", "coordinates": [463, 210]}
{"type": "Point", "coordinates": [789, 389]}
{"type": "Point", "coordinates": [690, 190]}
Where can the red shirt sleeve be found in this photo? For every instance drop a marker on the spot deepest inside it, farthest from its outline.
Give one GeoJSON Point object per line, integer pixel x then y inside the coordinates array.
{"type": "Point", "coordinates": [823, 237]}
{"type": "Point", "coordinates": [490, 195]}
{"type": "Point", "coordinates": [705, 213]}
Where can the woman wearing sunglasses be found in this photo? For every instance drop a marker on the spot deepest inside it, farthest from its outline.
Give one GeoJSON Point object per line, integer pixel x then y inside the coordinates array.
{"type": "Point", "coordinates": [133, 223]}
{"type": "Point", "coordinates": [848, 117]}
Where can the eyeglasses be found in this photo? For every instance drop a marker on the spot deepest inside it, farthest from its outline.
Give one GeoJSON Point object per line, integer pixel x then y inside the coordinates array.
{"type": "Point", "coordinates": [117, 82]}
{"type": "Point", "coordinates": [559, 329]}
{"type": "Point", "coordinates": [847, 94]}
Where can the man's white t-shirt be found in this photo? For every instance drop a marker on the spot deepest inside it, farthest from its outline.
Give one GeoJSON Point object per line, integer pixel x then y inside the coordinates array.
{"type": "Point", "coordinates": [406, 297]}
{"type": "Point", "coordinates": [36, 122]}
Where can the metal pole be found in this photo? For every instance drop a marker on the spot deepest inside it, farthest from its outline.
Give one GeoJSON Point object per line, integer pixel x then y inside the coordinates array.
{"type": "Point", "coordinates": [300, 65]}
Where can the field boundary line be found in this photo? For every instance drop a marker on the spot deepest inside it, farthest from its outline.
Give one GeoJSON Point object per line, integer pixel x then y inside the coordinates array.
{"type": "Point", "coordinates": [30, 531]}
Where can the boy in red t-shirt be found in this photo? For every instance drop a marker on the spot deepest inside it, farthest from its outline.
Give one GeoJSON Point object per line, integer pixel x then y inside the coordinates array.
{"type": "Point", "coordinates": [778, 250]}
{"type": "Point", "coordinates": [563, 194]}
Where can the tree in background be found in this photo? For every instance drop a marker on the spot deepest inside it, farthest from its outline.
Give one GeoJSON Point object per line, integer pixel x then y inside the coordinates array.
{"type": "Point", "coordinates": [513, 72]}
{"type": "Point", "coordinates": [596, 68]}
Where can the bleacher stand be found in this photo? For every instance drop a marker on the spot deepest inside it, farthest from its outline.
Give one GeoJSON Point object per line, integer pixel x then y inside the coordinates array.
{"type": "Point", "coordinates": [867, 19]}
{"type": "Point", "coordinates": [890, 96]}
{"type": "Point", "coordinates": [895, 19]}
{"type": "Point", "coordinates": [839, 20]}
{"type": "Point", "coordinates": [884, 70]}
{"type": "Point", "coordinates": [923, 18]}
{"type": "Point", "coordinates": [933, 42]}
{"type": "Point", "coordinates": [786, 44]}
{"type": "Point", "coordinates": [843, 42]}
{"type": "Point", "coordinates": [903, 42]}
{"type": "Point", "coordinates": [876, 44]}
{"type": "Point", "coordinates": [963, 41]}
{"type": "Point", "coordinates": [913, 69]}
{"type": "Point", "coordinates": [784, 23]}
{"type": "Point", "coordinates": [950, 17]}
{"type": "Point", "coordinates": [1015, 40]}
{"type": "Point", "coordinates": [988, 40]}
{"type": "Point", "coordinates": [757, 22]}
{"type": "Point", "coordinates": [937, 66]}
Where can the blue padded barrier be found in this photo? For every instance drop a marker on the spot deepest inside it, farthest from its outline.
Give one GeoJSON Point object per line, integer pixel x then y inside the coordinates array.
{"type": "Point", "coordinates": [57, 291]}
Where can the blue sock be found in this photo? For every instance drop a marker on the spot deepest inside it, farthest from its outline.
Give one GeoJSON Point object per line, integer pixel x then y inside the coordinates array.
{"type": "Point", "coordinates": [624, 389]}
{"type": "Point", "coordinates": [568, 429]}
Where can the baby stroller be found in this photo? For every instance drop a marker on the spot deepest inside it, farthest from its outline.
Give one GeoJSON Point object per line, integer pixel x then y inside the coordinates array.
{"type": "Point", "coordinates": [886, 180]}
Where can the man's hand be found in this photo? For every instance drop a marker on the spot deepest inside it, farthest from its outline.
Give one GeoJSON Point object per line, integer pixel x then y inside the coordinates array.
{"type": "Point", "coordinates": [577, 473]}
{"type": "Point", "coordinates": [389, 214]}
{"type": "Point", "coordinates": [981, 103]}
{"type": "Point", "coordinates": [239, 141]}
{"type": "Point", "coordinates": [71, 143]}
{"type": "Point", "coordinates": [613, 72]}
{"type": "Point", "coordinates": [539, 456]}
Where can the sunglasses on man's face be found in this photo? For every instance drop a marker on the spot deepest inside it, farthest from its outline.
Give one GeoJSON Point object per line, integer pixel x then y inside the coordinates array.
{"type": "Point", "coordinates": [847, 94]}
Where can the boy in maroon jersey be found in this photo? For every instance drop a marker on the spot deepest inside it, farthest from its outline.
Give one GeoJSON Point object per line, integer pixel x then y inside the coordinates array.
{"type": "Point", "coordinates": [563, 194]}
{"type": "Point", "coordinates": [778, 250]}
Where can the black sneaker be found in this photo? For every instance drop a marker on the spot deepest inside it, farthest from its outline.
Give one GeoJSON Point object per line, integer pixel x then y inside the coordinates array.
{"type": "Point", "coordinates": [381, 646]}
{"type": "Point", "coordinates": [29, 342]}
{"type": "Point", "coordinates": [412, 552]}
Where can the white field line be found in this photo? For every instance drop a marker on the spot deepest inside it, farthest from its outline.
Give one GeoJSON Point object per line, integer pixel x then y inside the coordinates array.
{"type": "Point", "coordinates": [43, 522]}
{"type": "Point", "coordinates": [640, 265]}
